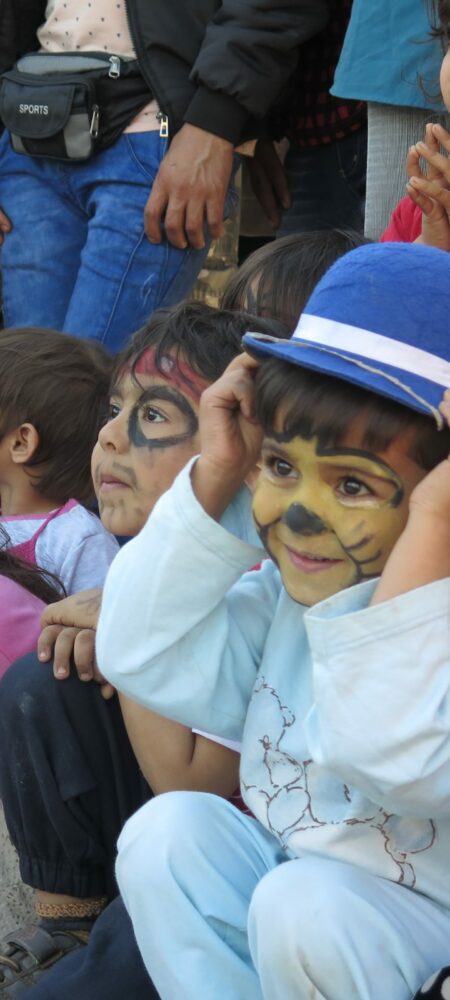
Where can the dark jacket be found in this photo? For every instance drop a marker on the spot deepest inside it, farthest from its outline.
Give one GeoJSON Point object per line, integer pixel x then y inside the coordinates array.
{"type": "Point", "coordinates": [219, 66]}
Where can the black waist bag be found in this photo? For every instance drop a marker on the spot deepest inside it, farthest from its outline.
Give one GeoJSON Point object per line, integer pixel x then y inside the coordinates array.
{"type": "Point", "coordinates": [69, 106]}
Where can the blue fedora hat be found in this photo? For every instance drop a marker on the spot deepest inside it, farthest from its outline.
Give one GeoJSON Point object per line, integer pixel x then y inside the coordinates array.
{"type": "Point", "coordinates": [379, 318]}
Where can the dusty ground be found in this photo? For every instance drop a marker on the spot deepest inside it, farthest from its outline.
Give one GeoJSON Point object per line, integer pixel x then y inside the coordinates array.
{"type": "Point", "coordinates": [16, 900]}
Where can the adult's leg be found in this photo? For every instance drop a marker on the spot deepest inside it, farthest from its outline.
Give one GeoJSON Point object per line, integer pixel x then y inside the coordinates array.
{"type": "Point", "coordinates": [40, 256]}
{"type": "Point", "coordinates": [188, 865]}
{"type": "Point", "coordinates": [327, 185]}
{"type": "Point", "coordinates": [122, 276]}
{"type": "Point", "coordinates": [326, 929]}
{"type": "Point", "coordinates": [391, 131]}
{"type": "Point", "coordinates": [68, 779]}
{"type": "Point", "coordinates": [109, 966]}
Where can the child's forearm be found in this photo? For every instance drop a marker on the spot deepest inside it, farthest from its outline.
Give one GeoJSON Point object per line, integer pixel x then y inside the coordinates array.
{"type": "Point", "coordinates": [421, 555]}
{"type": "Point", "coordinates": [171, 757]}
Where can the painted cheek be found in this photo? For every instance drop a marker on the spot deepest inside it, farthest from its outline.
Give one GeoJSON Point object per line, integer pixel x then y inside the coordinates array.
{"type": "Point", "coordinates": [267, 505]}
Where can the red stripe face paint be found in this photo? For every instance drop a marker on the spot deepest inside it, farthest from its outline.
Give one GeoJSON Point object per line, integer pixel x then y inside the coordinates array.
{"type": "Point", "coordinates": [176, 371]}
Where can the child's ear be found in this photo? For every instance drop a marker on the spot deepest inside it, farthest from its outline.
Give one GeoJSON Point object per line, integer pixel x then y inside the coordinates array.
{"type": "Point", "coordinates": [24, 442]}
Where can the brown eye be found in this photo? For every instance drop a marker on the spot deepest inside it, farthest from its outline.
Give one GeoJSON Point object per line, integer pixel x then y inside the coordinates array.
{"type": "Point", "coordinates": [152, 416]}
{"type": "Point", "coordinates": [112, 412]}
{"type": "Point", "coordinates": [351, 487]}
{"type": "Point", "coordinates": [279, 467]}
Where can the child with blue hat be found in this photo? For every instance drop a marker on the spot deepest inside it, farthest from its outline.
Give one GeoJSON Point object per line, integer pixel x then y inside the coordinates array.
{"type": "Point", "coordinates": [337, 886]}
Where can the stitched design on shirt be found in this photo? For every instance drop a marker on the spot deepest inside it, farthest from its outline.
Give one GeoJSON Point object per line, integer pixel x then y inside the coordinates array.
{"type": "Point", "coordinates": [294, 795]}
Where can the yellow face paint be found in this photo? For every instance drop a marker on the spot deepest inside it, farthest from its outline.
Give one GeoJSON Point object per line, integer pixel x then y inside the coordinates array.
{"type": "Point", "coordinates": [329, 516]}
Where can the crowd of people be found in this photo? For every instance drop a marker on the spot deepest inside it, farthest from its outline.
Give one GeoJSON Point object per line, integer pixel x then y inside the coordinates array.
{"type": "Point", "coordinates": [225, 531]}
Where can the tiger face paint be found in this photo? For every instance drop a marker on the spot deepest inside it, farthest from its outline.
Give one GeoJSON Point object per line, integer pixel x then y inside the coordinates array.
{"type": "Point", "coordinates": [151, 432]}
{"type": "Point", "coordinates": [329, 516]}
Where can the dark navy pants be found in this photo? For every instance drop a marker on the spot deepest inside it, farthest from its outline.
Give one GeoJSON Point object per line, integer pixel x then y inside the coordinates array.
{"type": "Point", "coordinates": [109, 967]}
{"type": "Point", "coordinates": [68, 779]}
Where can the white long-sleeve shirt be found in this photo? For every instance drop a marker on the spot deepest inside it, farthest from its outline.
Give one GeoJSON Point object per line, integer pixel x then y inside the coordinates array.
{"type": "Point", "coordinates": [343, 709]}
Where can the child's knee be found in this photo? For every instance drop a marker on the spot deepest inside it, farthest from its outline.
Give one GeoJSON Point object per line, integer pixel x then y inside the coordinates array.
{"type": "Point", "coordinates": [24, 691]}
{"type": "Point", "coordinates": [162, 834]}
{"type": "Point", "coordinates": [296, 913]}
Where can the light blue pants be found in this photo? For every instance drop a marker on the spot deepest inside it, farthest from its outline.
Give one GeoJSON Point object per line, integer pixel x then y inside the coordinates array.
{"type": "Point", "coordinates": [220, 913]}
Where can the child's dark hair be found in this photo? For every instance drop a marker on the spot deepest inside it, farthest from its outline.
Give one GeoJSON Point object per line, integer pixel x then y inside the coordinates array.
{"type": "Point", "coordinates": [37, 581]}
{"type": "Point", "coordinates": [60, 385]}
{"type": "Point", "coordinates": [439, 13]}
{"type": "Point", "coordinates": [207, 338]}
{"type": "Point", "coordinates": [317, 405]}
{"type": "Point", "coordinates": [277, 279]}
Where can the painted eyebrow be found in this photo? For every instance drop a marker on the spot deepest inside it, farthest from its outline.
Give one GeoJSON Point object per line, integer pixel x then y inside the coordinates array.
{"type": "Point", "coordinates": [168, 394]}
{"type": "Point", "coordinates": [359, 472]}
{"type": "Point", "coordinates": [115, 391]}
{"type": "Point", "coordinates": [360, 453]}
{"type": "Point", "coordinates": [271, 444]}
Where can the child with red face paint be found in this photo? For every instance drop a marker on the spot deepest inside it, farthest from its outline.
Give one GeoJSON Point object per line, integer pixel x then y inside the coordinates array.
{"type": "Point", "coordinates": [340, 889]}
{"type": "Point", "coordinates": [66, 822]}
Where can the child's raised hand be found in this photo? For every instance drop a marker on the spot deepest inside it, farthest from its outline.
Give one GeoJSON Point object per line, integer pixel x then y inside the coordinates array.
{"type": "Point", "coordinates": [431, 192]}
{"type": "Point", "coordinates": [432, 495]}
{"type": "Point", "coordinates": [230, 436]}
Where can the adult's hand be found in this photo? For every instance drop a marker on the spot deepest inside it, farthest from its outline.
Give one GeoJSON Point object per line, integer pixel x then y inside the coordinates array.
{"type": "Point", "coordinates": [5, 225]}
{"type": "Point", "coordinates": [189, 189]}
{"type": "Point", "coordinates": [269, 181]}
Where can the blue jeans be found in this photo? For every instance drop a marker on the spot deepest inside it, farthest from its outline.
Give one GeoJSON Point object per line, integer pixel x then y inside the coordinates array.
{"type": "Point", "coordinates": [327, 185]}
{"type": "Point", "coordinates": [77, 258]}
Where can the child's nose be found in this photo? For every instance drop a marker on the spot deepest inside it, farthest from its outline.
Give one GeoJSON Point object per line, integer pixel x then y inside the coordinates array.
{"type": "Point", "coordinates": [114, 434]}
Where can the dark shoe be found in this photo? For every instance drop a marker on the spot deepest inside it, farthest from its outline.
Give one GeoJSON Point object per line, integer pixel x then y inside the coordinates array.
{"type": "Point", "coordinates": [26, 954]}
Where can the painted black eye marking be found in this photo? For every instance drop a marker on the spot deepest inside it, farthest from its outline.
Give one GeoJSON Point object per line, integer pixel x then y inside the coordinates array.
{"type": "Point", "coordinates": [302, 521]}
{"type": "Point", "coordinates": [397, 498]}
{"type": "Point", "coordinates": [171, 395]}
{"type": "Point", "coordinates": [285, 437]}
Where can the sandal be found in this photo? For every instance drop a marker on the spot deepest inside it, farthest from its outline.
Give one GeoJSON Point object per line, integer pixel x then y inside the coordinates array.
{"type": "Point", "coordinates": [27, 953]}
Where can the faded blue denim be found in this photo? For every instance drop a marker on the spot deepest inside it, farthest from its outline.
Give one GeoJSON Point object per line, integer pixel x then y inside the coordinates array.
{"type": "Point", "coordinates": [77, 258]}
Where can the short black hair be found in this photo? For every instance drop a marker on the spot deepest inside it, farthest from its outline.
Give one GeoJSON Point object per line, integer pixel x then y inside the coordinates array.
{"type": "Point", "coordinates": [276, 280]}
{"type": "Point", "coordinates": [60, 385]}
{"type": "Point", "coordinates": [318, 405]}
{"type": "Point", "coordinates": [439, 12]}
{"type": "Point", "coordinates": [207, 338]}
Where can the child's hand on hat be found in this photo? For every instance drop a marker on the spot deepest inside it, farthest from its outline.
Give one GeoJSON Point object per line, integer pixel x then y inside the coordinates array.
{"type": "Point", "coordinates": [432, 495]}
{"type": "Point", "coordinates": [431, 191]}
{"type": "Point", "coordinates": [230, 436]}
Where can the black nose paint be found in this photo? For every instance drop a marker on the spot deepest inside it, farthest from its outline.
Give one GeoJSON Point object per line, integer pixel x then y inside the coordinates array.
{"type": "Point", "coordinates": [301, 520]}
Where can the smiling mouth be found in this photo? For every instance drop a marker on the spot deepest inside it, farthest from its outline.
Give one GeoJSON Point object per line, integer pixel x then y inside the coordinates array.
{"type": "Point", "coordinates": [308, 563]}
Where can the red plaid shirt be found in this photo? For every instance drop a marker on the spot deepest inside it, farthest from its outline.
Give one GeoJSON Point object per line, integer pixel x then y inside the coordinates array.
{"type": "Point", "coordinates": [315, 116]}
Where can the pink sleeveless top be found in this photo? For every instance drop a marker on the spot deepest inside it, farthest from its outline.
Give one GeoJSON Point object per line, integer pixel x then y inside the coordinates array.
{"type": "Point", "coordinates": [27, 550]}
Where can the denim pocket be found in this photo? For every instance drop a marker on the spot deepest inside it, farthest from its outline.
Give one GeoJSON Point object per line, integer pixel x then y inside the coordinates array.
{"type": "Point", "coordinates": [146, 151]}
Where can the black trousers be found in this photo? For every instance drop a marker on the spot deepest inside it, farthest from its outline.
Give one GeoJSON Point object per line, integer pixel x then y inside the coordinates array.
{"type": "Point", "coordinates": [68, 779]}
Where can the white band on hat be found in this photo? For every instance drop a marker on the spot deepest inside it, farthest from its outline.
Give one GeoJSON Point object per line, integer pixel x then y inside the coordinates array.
{"type": "Point", "coordinates": [373, 347]}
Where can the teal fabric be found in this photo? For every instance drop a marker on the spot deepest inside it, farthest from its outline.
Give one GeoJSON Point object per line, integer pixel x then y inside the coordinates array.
{"type": "Point", "coordinates": [388, 56]}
